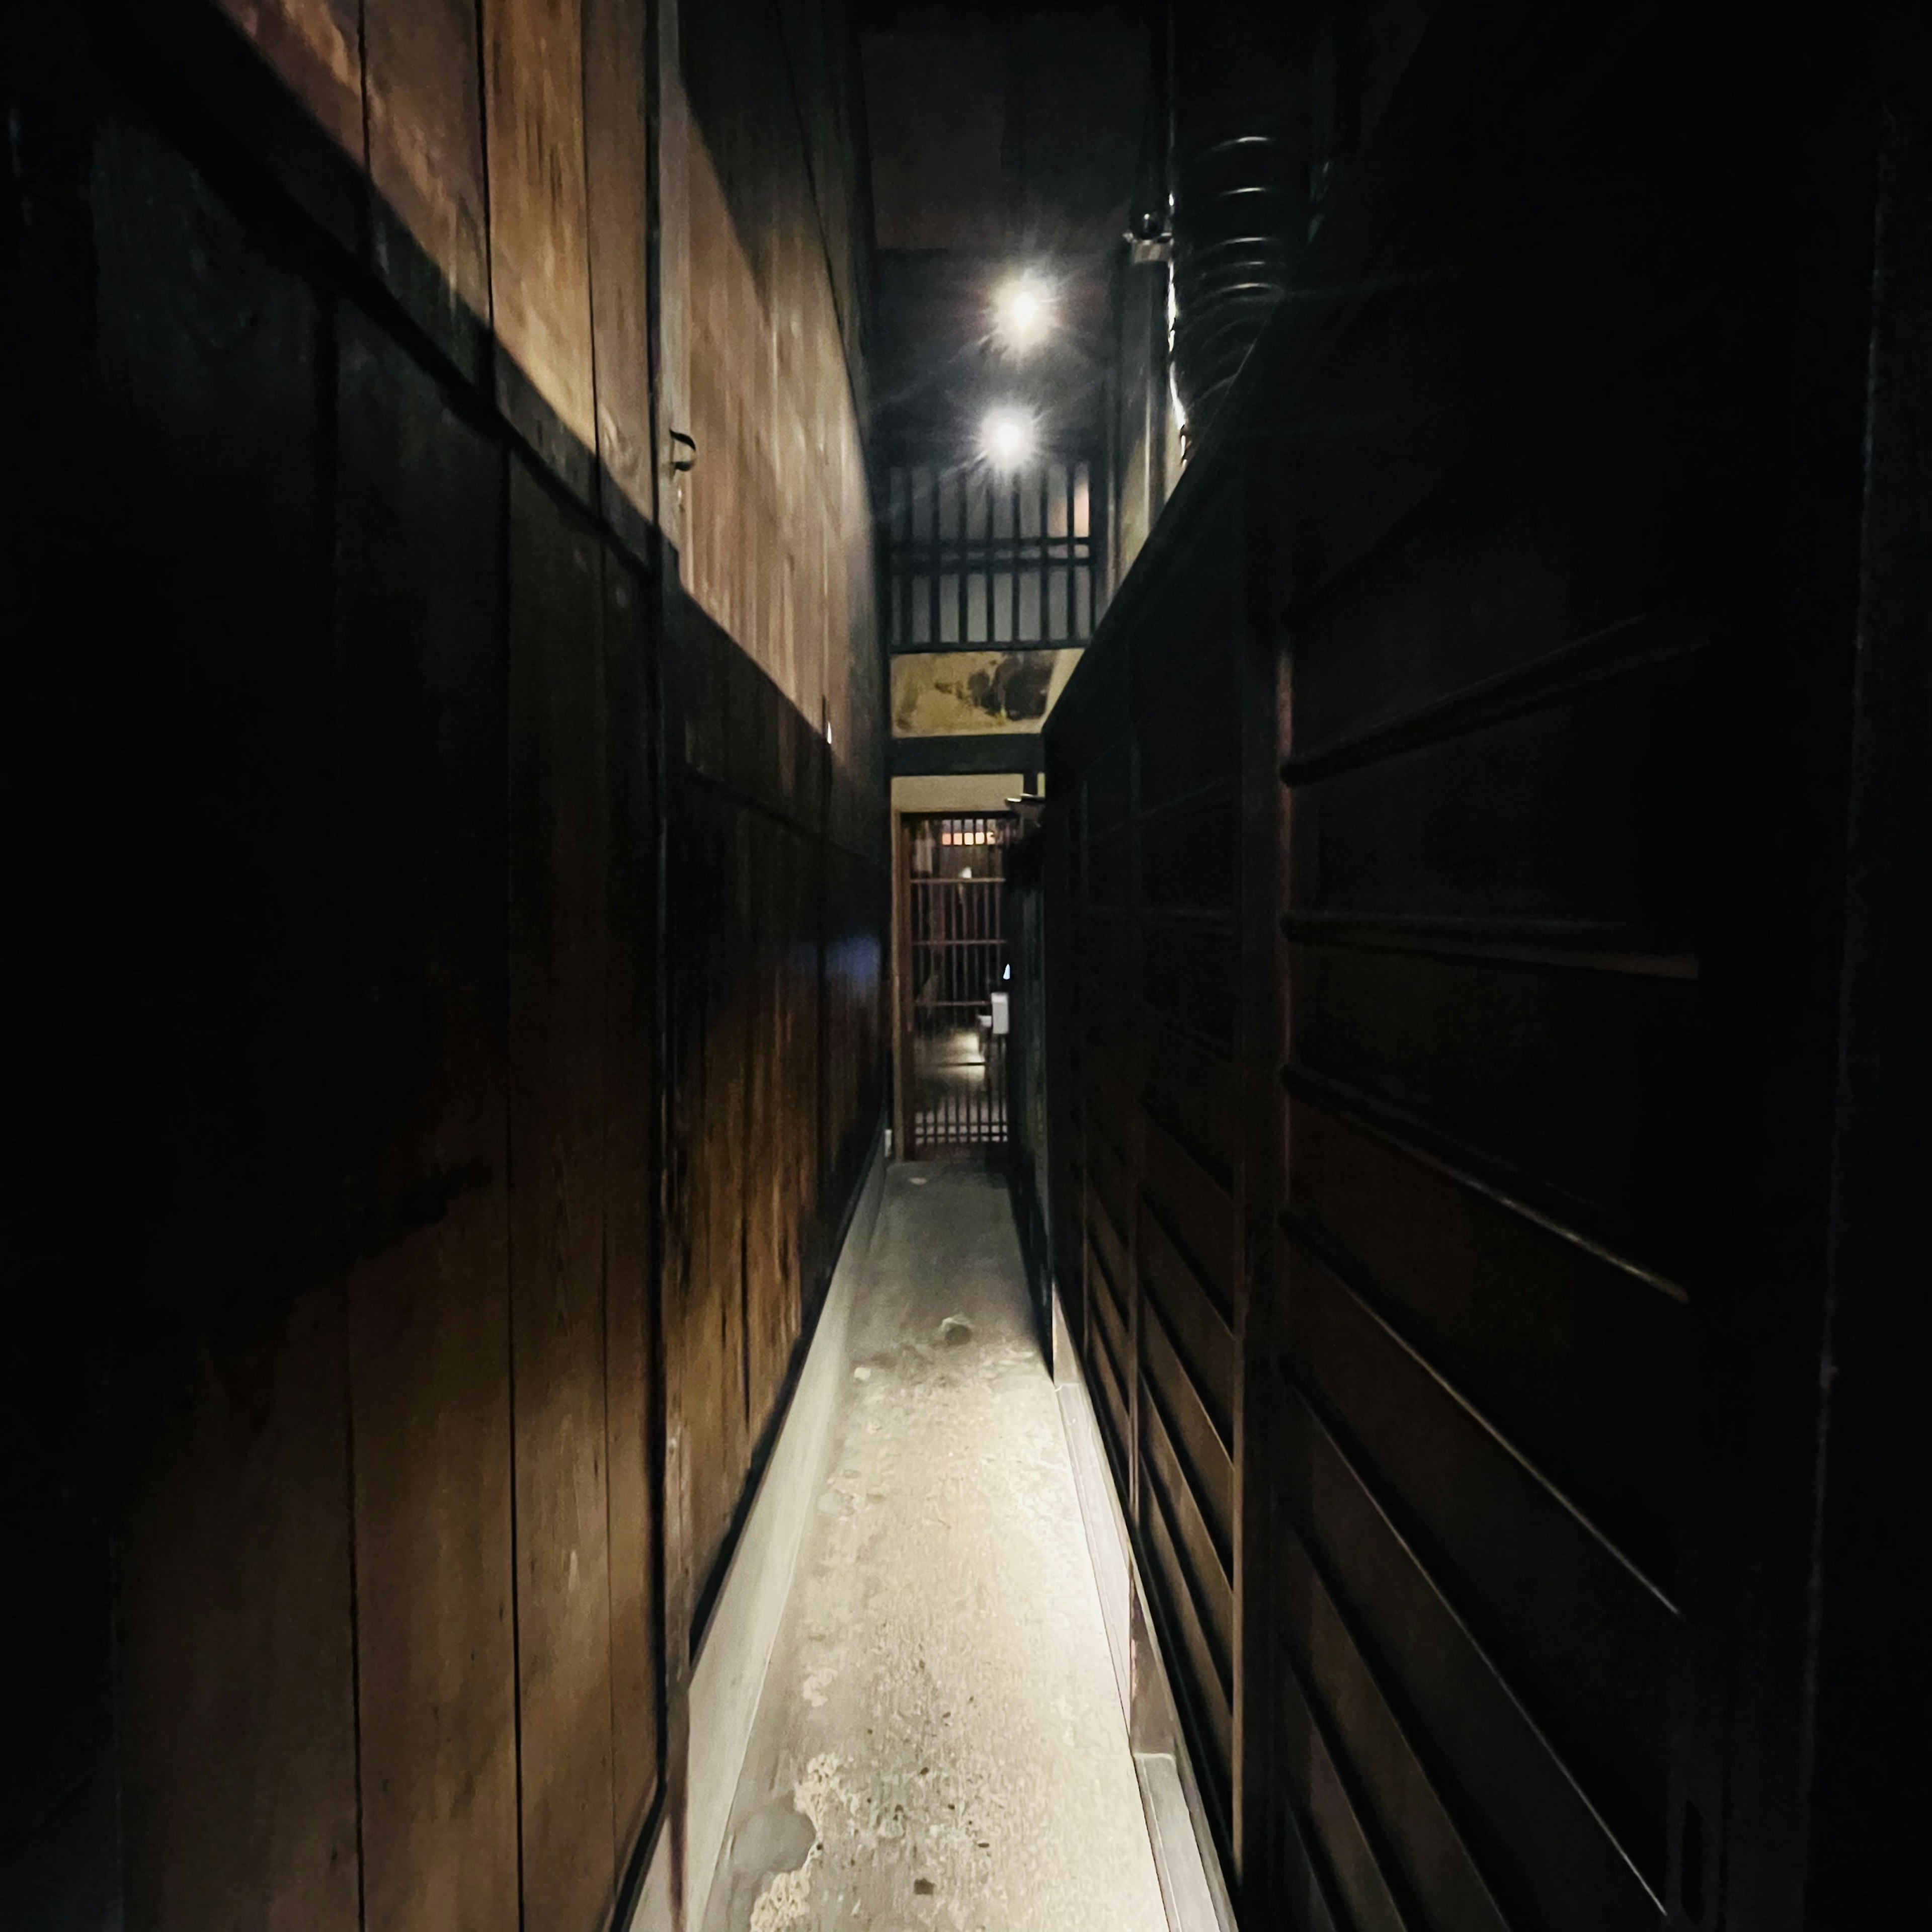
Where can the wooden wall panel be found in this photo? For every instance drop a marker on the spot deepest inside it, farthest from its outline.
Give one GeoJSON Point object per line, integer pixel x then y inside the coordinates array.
{"type": "Point", "coordinates": [239, 1751]}
{"type": "Point", "coordinates": [778, 717]}
{"type": "Point", "coordinates": [1163, 1154]}
{"type": "Point", "coordinates": [1169, 1481]}
{"type": "Point", "coordinates": [557, 1177]}
{"type": "Point", "coordinates": [1342, 1697]}
{"type": "Point", "coordinates": [634, 1414]}
{"type": "Point", "coordinates": [1543, 1848]}
{"type": "Point", "coordinates": [539, 238]}
{"type": "Point", "coordinates": [707, 1141]}
{"type": "Point", "coordinates": [1063, 916]}
{"type": "Point", "coordinates": [1493, 909]}
{"type": "Point", "coordinates": [1571, 810]}
{"type": "Point", "coordinates": [1582, 1363]}
{"type": "Point", "coordinates": [236, 1723]}
{"type": "Point", "coordinates": [1533, 771]}
{"type": "Point", "coordinates": [1588, 1642]}
{"type": "Point", "coordinates": [777, 1032]}
{"type": "Point", "coordinates": [392, 1385]}
{"type": "Point", "coordinates": [852, 1060]}
{"type": "Point", "coordinates": [774, 414]}
{"type": "Point", "coordinates": [771, 1146]}
{"type": "Point", "coordinates": [419, 671]}
{"type": "Point", "coordinates": [426, 164]}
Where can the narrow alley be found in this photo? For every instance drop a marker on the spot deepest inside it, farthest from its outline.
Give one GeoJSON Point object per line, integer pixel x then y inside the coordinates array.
{"type": "Point", "coordinates": [966, 965]}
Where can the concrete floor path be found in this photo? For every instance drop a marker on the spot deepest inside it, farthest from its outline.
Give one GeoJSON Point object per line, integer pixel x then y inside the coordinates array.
{"type": "Point", "coordinates": [940, 1742]}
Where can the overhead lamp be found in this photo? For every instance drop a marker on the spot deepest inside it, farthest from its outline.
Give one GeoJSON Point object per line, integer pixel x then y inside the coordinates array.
{"type": "Point", "coordinates": [1007, 437]}
{"type": "Point", "coordinates": [1024, 312]}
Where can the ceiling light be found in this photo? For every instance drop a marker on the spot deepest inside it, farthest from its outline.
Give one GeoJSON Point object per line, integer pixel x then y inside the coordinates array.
{"type": "Point", "coordinates": [1007, 438]}
{"type": "Point", "coordinates": [1023, 312]}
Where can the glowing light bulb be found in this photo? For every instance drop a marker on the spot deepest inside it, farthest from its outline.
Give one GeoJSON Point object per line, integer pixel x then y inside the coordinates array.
{"type": "Point", "coordinates": [1007, 438]}
{"type": "Point", "coordinates": [1023, 312]}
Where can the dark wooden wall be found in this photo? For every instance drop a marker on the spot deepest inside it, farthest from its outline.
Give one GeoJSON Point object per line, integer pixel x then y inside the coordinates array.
{"type": "Point", "coordinates": [373, 713]}
{"type": "Point", "coordinates": [777, 870]}
{"type": "Point", "coordinates": [1152, 1164]}
{"type": "Point", "coordinates": [776, 889]}
{"type": "Point", "coordinates": [385, 1378]}
{"type": "Point", "coordinates": [1452, 812]}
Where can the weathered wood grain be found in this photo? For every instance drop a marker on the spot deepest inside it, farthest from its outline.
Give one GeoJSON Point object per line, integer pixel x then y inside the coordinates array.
{"type": "Point", "coordinates": [419, 665]}
{"type": "Point", "coordinates": [633, 1409]}
{"type": "Point", "coordinates": [234, 1647]}
{"type": "Point", "coordinates": [238, 1754]}
{"type": "Point", "coordinates": [617, 142]}
{"type": "Point", "coordinates": [316, 46]}
{"type": "Point", "coordinates": [539, 240]}
{"type": "Point", "coordinates": [716, 1028]}
{"type": "Point", "coordinates": [426, 166]}
{"type": "Point", "coordinates": [772, 408]}
{"type": "Point", "coordinates": [398, 892]}
{"type": "Point", "coordinates": [557, 875]}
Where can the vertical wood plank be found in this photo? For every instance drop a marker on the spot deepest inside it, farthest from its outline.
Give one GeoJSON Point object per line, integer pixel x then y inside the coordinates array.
{"type": "Point", "coordinates": [759, 1163]}
{"type": "Point", "coordinates": [631, 1315]}
{"type": "Point", "coordinates": [616, 136]}
{"type": "Point", "coordinates": [708, 1144]}
{"type": "Point", "coordinates": [556, 952]}
{"type": "Point", "coordinates": [539, 247]}
{"type": "Point", "coordinates": [419, 670]}
{"type": "Point", "coordinates": [674, 257]}
{"type": "Point", "coordinates": [430, 228]}
{"type": "Point", "coordinates": [775, 1131]}
{"type": "Point", "coordinates": [237, 1720]}
{"type": "Point", "coordinates": [238, 1762]}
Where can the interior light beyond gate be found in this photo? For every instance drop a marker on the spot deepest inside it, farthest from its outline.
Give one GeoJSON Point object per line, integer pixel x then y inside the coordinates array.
{"type": "Point", "coordinates": [1007, 437]}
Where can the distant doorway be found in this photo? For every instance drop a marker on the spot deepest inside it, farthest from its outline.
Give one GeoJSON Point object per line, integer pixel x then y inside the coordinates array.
{"type": "Point", "coordinates": [954, 982]}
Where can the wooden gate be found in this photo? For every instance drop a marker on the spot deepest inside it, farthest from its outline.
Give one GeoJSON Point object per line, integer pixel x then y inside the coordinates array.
{"type": "Point", "coordinates": [954, 978]}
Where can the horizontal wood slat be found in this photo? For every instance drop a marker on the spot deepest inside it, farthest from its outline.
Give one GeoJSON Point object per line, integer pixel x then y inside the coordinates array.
{"type": "Point", "coordinates": [1575, 946]}
{"type": "Point", "coordinates": [1206, 1569]}
{"type": "Point", "coordinates": [1586, 1641]}
{"type": "Point", "coordinates": [1413, 1818]}
{"type": "Point", "coordinates": [1514, 1190]}
{"type": "Point", "coordinates": [1322, 1795]}
{"type": "Point", "coordinates": [1196, 1216]}
{"type": "Point", "coordinates": [1591, 1084]}
{"type": "Point", "coordinates": [1200, 1688]}
{"type": "Point", "coordinates": [1110, 1304]}
{"type": "Point", "coordinates": [1192, 1332]}
{"type": "Point", "coordinates": [1107, 1217]}
{"type": "Point", "coordinates": [1622, 649]}
{"type": "Point", "coordinates": [1195, 1095]}
{"type": "Point", "coordinates": [1104, 1353]}
{"type": "Point", "coordinates": [1554, 1853]}
{"type": "Point", "coordinates": [1580, 1360]}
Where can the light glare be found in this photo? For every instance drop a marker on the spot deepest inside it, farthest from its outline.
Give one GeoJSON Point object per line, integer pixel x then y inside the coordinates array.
{"type": "Point", "coordinates": [1023, 312]}
{"type": "Point", "coordinates": [1007, 438]}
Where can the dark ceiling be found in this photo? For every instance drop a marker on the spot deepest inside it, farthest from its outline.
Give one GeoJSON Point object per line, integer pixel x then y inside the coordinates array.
{"type": "Point", "coordinates": [1002, 139]}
